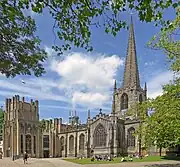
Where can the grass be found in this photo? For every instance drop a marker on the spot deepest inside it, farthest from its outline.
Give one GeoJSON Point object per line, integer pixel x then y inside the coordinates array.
{"type": "Point", "coordinates": [116, 160]}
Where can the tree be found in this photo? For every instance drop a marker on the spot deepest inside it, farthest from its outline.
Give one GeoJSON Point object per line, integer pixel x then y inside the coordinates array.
{"type": "Point", "coordinates": [163, 127]}
{"type": "Point", "coordinates": [20, 51]}
{"type": "Point", "coordinates": [73, 20]}
{"type": "Point", "coordinates": [139, 111]}
{"type": "Point", "coordinates": [167, 40]}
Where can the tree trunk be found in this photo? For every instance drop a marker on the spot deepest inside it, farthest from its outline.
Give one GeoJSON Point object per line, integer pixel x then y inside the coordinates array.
{"type": "Point", "coordinates": [160, 150]}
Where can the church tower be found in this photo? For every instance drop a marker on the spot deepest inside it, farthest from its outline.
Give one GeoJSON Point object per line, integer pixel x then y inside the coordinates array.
{"type": "Point", "coordinates": [131, 91]}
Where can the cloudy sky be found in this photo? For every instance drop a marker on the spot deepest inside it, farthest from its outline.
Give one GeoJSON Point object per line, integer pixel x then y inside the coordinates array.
{"type": "Point", "coordinates": [80, 80]}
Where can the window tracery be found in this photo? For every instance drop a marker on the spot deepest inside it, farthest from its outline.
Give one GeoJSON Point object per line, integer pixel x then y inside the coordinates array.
{"type": "Point", "coordinates": [81, 141]}
{"type": "Point", "coordinates": [71, 143]}
{"type": "Point", "coordinates": [100, 136]}
{"type": "Point", "coordinates": [131, 137]}
{"type": "Point", "coordinates": [124, 101]}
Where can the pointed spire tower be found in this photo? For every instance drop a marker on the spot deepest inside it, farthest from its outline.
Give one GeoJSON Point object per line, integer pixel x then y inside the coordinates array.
{"type": "Point", "coordinates": [131, 72]}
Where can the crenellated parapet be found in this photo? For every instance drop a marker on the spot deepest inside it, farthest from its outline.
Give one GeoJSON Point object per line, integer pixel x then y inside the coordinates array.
{"type": "Point", "coordinates": [99, 115]}
{"type": "Point", "coordinates": [20, 109]}
{"type": "Point", "coordinates": [51, 125]}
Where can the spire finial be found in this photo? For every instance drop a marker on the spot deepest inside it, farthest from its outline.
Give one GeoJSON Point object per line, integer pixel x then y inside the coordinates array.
{"type": "Point", "coordinates": [89, 114]}
{"type": "Point", "coordinates": [145, 86]}
{"type": "Point", "coordinates": [115, 86]}
{"type": "Point", "coordinates": [100, 111]}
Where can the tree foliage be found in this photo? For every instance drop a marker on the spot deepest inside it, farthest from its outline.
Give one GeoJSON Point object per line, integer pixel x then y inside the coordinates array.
{"type": "Point", "coordinates": [73, 21]}
{"type": "Point", "coordinates": [168, 41]}
{"type": "Point", "coordinates": [163, 127]}
{"type": "Point", "coordinates": [20, 51]}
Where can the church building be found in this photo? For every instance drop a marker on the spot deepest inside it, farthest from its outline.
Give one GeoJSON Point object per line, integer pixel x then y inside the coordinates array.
{"type": "Point", "coordinates": [110, 134]}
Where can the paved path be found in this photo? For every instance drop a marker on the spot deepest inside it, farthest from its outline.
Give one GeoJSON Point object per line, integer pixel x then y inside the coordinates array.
{"type": "Point", "coordinates": [55, 162]}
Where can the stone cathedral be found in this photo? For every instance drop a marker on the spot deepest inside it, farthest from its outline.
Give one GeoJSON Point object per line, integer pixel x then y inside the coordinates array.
{"type": "Point", "coordinates": [104, 134]}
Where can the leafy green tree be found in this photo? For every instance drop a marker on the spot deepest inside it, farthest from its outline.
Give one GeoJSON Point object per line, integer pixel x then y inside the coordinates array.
{"type": "Point", "coordinates": [140, 111]}
{"type": "Point", "coordinates": [167, 40]}
{"type": "Point", "coordinates": [20, 51]}
{"type": "Point", "coordinates": [163, 127]}
{"type": "Point", "coordinates": [73, 21]}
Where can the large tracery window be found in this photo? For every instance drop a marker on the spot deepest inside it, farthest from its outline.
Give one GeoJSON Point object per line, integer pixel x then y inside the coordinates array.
{"type": "Point", "coordinates": [99, 136]}
{"type": "Point", "coordinates": [131, 137]}
{"type": "Point", "coordinates": [81, 142]}
{"type": "Point", "coordinates": [124, 101]}
{"type": "Point", "coordinates": [71, 143]}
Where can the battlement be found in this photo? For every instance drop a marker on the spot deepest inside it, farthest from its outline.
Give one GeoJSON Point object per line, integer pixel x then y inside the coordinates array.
{"type": "Point", "coordinates": [52, 125]}
{"type": "Point", "coordinates": [99, 115]}
{"type": "Point", "coordinates": [15, 106]}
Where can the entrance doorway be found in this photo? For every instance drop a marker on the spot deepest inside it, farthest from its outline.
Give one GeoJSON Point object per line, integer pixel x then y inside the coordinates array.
{"type": "Point", "coordinates": [46, 153]}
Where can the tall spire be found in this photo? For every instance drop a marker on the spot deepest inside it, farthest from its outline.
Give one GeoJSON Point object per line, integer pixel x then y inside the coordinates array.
{"type": "Point", "coordinates": [131, 73]}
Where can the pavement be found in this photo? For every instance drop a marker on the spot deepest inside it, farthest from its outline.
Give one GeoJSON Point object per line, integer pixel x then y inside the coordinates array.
{"type": "Point", "coordinates": [57, 162]}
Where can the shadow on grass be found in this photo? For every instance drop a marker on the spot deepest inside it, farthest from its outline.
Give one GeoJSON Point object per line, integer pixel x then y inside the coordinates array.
{"type": "Point", "coordinates": [171, 158]}
{"type": "Point", "coordinates": [166, 165]}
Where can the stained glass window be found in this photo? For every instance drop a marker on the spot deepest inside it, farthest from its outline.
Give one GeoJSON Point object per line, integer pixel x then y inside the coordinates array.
{"type": "Point", "coordinates": [71, 143]}
{"type": "Point", "coordinates": [81, 142]}
{"type": "Point", "coordinates": [100, 136]}
{"type": "Point", "coordinates": [131, 137]}
{"type": "Point", "coordinates": [124, 101]}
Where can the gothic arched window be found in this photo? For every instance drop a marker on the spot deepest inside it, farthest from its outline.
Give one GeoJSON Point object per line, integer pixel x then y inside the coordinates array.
{"type": "Point", "coordinates": [81, 142]}
{"type": "Point", "coordinates": [62, 143]}
{"type": "Point", "coordinates": [131, 137]}
{"type": "Point", "coordinates": [99, 136]}
{"type": "Point", "coordinates": [124, 101]}
{"type": "Point", "coordinates": [140, 98]}
{"type": "Point", "coordinates": [71, 143]}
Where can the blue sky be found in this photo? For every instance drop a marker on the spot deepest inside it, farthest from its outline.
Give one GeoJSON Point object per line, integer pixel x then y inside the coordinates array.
{"type": "Point", "coordinates": [82, 80]}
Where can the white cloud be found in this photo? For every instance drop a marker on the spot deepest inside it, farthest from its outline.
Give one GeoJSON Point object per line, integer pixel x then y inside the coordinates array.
{"type": "Point", "coordinates": [81, 79]}
{"type": "Point", "coordinates": [88, 78]}
{"type": "Point", "coordinates": [155, 84]}
{"type": "Point", "coordinates": [90, 99]}
{"type": "Point", "coordinates": [65, 108]}
{"type": "Point", "coordinates": [150, 63]}
{"type": "Point", "coordinates": [31, 90]}
{"type": "Point", "coordinates": [2, 75]}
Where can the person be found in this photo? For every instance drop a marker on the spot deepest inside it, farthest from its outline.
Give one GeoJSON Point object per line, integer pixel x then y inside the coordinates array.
{"type": "Point", "coordinates": [25, 157]}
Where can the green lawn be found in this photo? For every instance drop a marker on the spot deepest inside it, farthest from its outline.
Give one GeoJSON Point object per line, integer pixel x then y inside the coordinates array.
{"type": "Point", "coordinates": [116, 160]}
